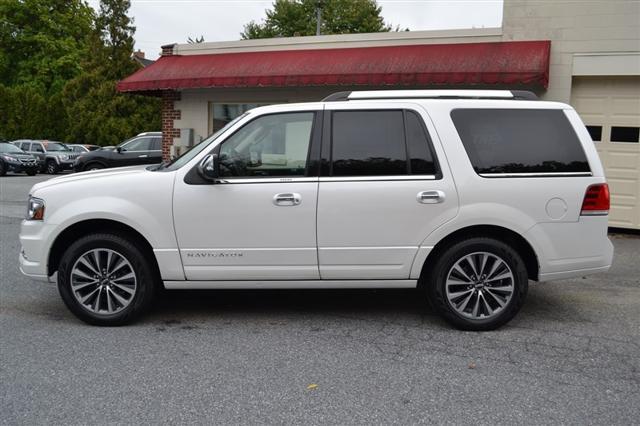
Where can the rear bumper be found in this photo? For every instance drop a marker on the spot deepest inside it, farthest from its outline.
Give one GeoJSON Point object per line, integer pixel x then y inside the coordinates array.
{"type": "Point", "coordinates": [552, 276]}
{"type": "Point", "coordinates": [567, 250]}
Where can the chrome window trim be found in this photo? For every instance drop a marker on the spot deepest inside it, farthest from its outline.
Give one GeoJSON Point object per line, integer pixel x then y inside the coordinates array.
{"type": "Point", "coordinates": [267, 180]}
{"type": "Point", "coordinates": [376, 178]}
{"type": "Point", "coordinates": [301, 179]}
{"type": "Point", "coordinates": [542, 174]}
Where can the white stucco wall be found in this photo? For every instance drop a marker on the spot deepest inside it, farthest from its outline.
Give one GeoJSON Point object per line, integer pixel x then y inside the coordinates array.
{"type": "Point", "coordinates": [576, 28]}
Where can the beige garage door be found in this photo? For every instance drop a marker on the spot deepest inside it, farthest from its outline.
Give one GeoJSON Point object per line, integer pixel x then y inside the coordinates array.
{"type": "Point", "coordinates": [610, 107]}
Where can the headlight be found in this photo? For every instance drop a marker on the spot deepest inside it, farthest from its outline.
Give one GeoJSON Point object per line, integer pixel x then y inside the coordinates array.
{"type": "Point", "coordinates": [10, 159]}
{"type": "Point", "coordinates": [35, 209]}
{"type": "Point", "coordinates": [64, 157]}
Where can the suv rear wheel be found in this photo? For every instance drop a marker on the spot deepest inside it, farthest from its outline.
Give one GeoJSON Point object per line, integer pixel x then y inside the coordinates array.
{"type": "Point", "coordinates": [478, 284]}
{"type": "Point", "coordinates": [106, 280]}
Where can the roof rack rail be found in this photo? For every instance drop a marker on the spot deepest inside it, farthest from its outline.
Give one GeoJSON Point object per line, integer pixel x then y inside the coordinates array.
{"type": "Point", "coordinates": [432, 94]}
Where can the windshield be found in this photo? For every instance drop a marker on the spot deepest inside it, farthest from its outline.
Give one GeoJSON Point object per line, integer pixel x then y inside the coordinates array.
{"type": "Point", "coordinates": [55, 146]}
{"type": "Point", "coordinates": [7, 147]}
{"type": "Point", "coordinates": [176, 163]}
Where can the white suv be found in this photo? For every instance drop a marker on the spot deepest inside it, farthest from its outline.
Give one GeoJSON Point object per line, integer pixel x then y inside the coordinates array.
{"type": "Point", "coordinates": [465, 195]}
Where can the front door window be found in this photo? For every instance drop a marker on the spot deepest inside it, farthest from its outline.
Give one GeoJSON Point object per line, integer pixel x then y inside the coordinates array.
{"type": "Point", "coordinates": [271, 145]}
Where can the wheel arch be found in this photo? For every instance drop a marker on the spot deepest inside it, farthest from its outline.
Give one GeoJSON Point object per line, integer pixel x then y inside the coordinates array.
{"type": "Point", "coordinates": [85, 227]}
{"type": "Point", "coordinates": [97, 161]}
{"type": "Point", "coordinates": [500, 233]}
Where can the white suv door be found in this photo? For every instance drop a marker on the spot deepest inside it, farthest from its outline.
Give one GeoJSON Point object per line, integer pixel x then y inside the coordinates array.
{"type": "Point", "coordinates": [258, 221]}
{"type": "Point", "coordinates": [384, 187]}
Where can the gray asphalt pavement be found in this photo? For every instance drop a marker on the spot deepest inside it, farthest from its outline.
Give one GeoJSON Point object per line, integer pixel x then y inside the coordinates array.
{"type": "Point", "coordinates": [246, 357]}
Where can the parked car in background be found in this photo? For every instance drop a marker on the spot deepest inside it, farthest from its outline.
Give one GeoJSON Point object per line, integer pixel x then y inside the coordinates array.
{"type": "Point", "coordinates": [54, 156]}
{"type": "Point", "coordinates": [82, 148]}
{"type": "Point", "coordinates": [13, 159]}
{"type": "Point", "coordinates": [145, 148]}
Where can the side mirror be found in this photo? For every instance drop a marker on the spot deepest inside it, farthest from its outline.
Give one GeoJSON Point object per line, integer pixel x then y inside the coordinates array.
{"type": "Point", "coordinates": [119, 149]}
{"type": "Point", "coordinates": [208, 167]}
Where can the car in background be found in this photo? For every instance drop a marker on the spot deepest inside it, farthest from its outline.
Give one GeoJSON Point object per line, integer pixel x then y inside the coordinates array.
{"type": "Point", "coordinates": [54, 156]}
{"type": "Point", "coordinates": [13, 159]}
{"type": "Point", "coordinates": [82, 148]}
{"type": "Point", "coordinates": [145, 148]}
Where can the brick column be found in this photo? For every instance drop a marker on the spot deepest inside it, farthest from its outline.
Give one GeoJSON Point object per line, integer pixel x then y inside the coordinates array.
{"type": "Point", "coordinates": [169, 114]}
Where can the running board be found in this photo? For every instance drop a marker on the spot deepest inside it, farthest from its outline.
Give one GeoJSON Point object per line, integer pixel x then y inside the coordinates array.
{"type": "Point", "coordinates": [302, 284]}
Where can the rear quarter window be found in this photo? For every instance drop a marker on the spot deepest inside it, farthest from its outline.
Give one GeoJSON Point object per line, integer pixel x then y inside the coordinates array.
{"type": "Point", "coordinates": [501, 141]}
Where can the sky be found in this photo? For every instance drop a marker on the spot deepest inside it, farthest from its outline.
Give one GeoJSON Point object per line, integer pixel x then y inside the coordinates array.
{"type": "Point", "coordinates": [161, 22]}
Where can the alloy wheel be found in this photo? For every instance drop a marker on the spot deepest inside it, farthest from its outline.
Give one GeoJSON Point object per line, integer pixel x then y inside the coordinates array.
{"type": "Point", "coordinates": [103, 281]}
{"type": "Point", "coordinates": [479, 285]}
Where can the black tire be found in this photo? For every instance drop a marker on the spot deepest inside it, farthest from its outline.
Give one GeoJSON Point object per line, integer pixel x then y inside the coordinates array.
{"type": "Point", "coordinates": [436, 282]}
{"type": "Point", "coordinates": [3, 169]}
{"type": "Point", "coordinates": [93, 166]}
{"type": "Point", "coordinates": [145, 274]}
{"type": "Point", "coordinates": [51, 167]}
{"type": "Point", "coordinates": [32, 172]}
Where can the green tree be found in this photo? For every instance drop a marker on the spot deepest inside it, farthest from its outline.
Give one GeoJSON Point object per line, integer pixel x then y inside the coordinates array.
{"type": "Point", "coordinates": [42, 46]}
{"type": "Point", "coordinates": [289, 18]}
{"type": "Point", "coordinates": [98, 113]}
{"type": "Point", "coordinates": [59, 65]}
{"type": "Point", "coordinates": [43, 41]}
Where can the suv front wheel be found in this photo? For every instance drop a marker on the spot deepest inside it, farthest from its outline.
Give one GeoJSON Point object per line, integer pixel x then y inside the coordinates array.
{"type": "Point", "coordinates": [104, 279]}
{"type": "Point", "coordinates": [478, 284]}
{"type": "Point", "coordinates": [52, 167]}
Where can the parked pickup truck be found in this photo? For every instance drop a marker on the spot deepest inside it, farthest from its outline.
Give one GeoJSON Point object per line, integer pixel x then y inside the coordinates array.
{"type": "Point", "coordinates": [54, 156]}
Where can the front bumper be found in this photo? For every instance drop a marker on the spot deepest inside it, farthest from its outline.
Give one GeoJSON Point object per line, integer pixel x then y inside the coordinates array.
{"type": "Point", "coordinates": [78, 166]}
{"type": "Point", "coordinates": [34, 241]}
{"type": "Point", "coordinates": [66, 165]}
{"type": "Point", "coordinates": [23, 167]}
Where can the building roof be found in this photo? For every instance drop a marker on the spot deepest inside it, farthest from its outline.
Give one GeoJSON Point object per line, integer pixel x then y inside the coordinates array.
{"type": "Point", "coordinates": [516, 63]}
{"type": "Point", "coordinates": [143, 61]}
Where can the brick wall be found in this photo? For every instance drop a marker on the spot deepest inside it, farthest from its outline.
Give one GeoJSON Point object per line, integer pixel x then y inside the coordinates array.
{"type": "Point", "coordinates": [169, 115]}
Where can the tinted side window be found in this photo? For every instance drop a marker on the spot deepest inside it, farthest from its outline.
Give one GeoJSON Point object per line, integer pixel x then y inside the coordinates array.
{"type": "Point", "coordinates": [156, 144]}
{"type": "Point", "coordinates": [36, 147]}
{"type": "Point", "coordinates": [418, 146]}
{"type": "Point", "coordinates": [519, 141]}
{"type": "Point", "coordinates": [140, 144]}
{"type": "Point", "coordinates": [368, 143]}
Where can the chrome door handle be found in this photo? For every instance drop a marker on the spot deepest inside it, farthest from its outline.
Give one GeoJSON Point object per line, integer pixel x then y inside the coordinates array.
{"type": "Point", "coordinates": [430, 197]}
{"type": "Point", "coordinates": [287, 199]}
{"type": "Point", "coordinates": [143, 156]}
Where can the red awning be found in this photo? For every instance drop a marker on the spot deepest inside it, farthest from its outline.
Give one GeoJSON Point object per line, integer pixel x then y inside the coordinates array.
{"type": "Point", "coordinates": [518, 63]}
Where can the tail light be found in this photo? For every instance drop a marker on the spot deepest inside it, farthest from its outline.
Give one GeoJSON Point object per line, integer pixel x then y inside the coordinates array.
{"type": "Point", "coordinates": [596, 200]}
